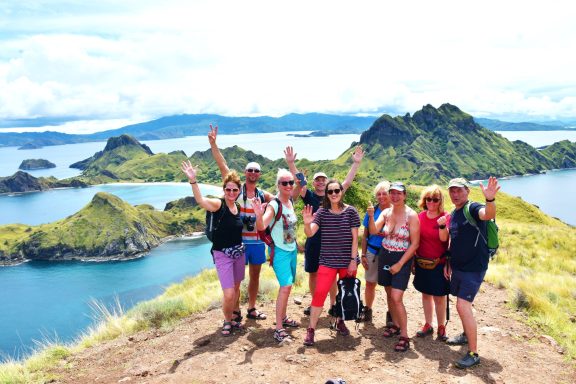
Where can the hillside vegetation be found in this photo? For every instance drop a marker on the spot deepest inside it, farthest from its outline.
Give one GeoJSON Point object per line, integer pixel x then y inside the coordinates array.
{"type": "Point", "coordinates": [106, 228]}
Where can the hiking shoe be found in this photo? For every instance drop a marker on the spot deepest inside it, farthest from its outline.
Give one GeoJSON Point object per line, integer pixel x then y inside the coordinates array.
{"type": "Point", "coordinates": [389, 321]}
{"type": "Point", "coordinates": [342, 328]}
{"type": "Point", "coordinates": [461, 339]}
{"type": "Point", "coordinates": [307, 311]}
{"type": "Point", "coordinates": [280, 335]}
{"type": "Point", "coordinates": [469, 360]}
{"type": "Point", "coordinates": [331, 312]}
{"type": "Point", "coordinates": [366, 315]}
{"type": "Point", "coordinates": [336, 381]}
{"type": "Point", "coordinates": [426, 330]}
{"type": "Point", "coordinates": [442, 333]}
{"type": "Point", "coordinates": [309, 339]}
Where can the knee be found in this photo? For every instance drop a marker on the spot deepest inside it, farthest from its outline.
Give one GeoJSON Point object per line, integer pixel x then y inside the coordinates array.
{"type": "Point", "coordinates": [230, 295]}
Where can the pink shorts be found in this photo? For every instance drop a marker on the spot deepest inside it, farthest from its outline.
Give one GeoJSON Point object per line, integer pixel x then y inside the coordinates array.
{"type": "Point", "coordinates": [230, 271]}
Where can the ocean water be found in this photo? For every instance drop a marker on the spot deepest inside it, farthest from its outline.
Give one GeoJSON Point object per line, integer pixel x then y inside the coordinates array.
{"type": "Point", "coordinates": [51, 301]}
{"type": "Point", "coordinates": [539, 138]}
{"type": "Point", "coordinates": [270, 145]}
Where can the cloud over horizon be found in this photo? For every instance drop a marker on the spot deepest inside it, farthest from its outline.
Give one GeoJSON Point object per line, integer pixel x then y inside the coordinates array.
{"type": "Point", "coordinates": [140, 60]}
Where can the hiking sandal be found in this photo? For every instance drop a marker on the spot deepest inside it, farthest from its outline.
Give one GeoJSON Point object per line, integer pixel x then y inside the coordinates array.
{"type": "Point", "coordinates": [226, 329]}
{"type": "Point", "coordinates": [254, 314]}
{"type": "Point", "coordinates": [391, 331]}
{"type": "Point", "coordinates": [280, 335]}
{"type": "Point", "coordinates": [237, 325]}
{"type": "Point", "coordinates": [237, 316]}
{"type": "Point", "coordinates": [427, 329]}
{"type": "Point", "coordinates": [402, 345]}
{"type": "Point", "coordinates": [286, 322]}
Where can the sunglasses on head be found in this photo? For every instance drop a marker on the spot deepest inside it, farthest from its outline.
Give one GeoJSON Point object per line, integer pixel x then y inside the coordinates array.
{"type": "Point", "coordinates": [331, 191]}
{"type": "Point", "coordinates": [285, 183]}
{"type": "Point", "coordinates": [253, 170]}
{"type": "Point", "coordinates": [434, 199]}
{"type": "Point", "coordinates": [231, 190]}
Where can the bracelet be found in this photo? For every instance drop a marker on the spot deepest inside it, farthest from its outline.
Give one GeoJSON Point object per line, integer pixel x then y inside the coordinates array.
{"type": "Point", "coordinates": [443, 226]}
{"type": "Point", "coordinates": [190, 182]}
{"type": "Point", "coordinates": [490, 201]}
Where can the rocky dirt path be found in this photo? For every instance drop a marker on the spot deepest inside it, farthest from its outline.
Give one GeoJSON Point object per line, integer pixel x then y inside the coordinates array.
{"type": "Point", "coordinates": [194, 352]}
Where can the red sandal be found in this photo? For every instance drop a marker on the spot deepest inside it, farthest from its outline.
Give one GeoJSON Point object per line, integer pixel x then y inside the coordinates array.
{"type": "Point", "coordinates": [402, 345]}
{"type": "Point", "coordinates": [391, 331]}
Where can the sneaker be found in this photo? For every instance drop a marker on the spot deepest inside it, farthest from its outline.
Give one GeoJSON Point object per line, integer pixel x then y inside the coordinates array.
{"type": "Point", "coordinates": [367, 314]}
{"type": "Point", "coordinates": [280, 335]}
{"type": "Point", "coordinates": [389, 321]}
{"type": "Point", "coordinates": [442, 333]}
{"type": "Point", "coordinates": [342, 328]}
{"type": "Point", "coordinates": [469, 360]}
{"type": "Point", "coordinates": [307, 311]}
{"type": "Point", "coordinates": [461, 339]}
{"type": "Point", "coordinates": [426, 330]}
{"type": "Point", "coordinates": [309, 339]}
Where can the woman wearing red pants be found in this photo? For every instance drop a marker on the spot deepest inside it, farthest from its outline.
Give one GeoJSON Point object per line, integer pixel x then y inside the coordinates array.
{"type": "Point", "coordinates": [338, 250]}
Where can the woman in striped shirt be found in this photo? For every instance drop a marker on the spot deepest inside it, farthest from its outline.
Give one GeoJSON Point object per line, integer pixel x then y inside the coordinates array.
{"type": "Point", "coordinates": [338, 249]}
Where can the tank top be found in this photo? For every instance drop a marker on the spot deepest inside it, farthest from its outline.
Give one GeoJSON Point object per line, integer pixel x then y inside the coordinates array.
{"type": "Point", "coordinates": [396, 239]}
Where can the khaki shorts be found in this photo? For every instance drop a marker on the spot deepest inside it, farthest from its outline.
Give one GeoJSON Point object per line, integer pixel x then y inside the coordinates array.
{"type": "Point", "coordinates": [371, 275]}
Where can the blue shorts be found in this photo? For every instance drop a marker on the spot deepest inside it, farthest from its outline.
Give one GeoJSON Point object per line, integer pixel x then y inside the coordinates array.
{"type": "Point", "coordinates": [465, 285]}
{"type": "Point", "coordinates": [255, 253]}
{"type": "Point", "coordinates": [385, 278]}
{"type": "Point", "coordinates": [285, 266]}
{"type": "Point", "coordinates": [312, 254]}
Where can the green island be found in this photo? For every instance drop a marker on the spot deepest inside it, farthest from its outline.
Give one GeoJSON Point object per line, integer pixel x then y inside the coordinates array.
{"type": "Point", "coordinates": [535, 263]}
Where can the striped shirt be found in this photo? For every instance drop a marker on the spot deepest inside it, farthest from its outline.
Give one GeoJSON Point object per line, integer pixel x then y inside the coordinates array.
{"type": "Point", "coordinates": [246, 210]}
{"type": "Point", "coordinates": [336, 235]}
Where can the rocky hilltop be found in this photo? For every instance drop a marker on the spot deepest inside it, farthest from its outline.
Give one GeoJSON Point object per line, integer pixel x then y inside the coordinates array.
{"type": "Point", "coordinates": [30, 164]}
{"type": "Point", "coordinates": [107, 228]}
{"type": "Point", "coordinates": [24, 182]}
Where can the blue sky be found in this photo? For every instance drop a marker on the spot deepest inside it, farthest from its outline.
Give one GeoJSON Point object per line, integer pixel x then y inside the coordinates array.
{"type": "Point", "coordinates": [110, 63]}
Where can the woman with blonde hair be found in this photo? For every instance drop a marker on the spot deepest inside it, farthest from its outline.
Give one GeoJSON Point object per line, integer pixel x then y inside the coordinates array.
{"type": "Point", "coordinates": [227, 249]}
{"type": "Point", "coordinates": [285, 248]}
{"type": "Point", "coordinates": [430, 259]}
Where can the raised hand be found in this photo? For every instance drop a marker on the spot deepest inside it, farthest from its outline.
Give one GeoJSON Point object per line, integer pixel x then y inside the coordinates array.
{"type": "Point", "coordinates": [289, 155]}
{"type": "Point", "coordinates": [441, 220]}
{"type": "Point", "coordinates": [307, 215]}
{"type": "Point", "coordinates": [212, 135]}
{"type": "Point", "coordinates": [189, 170]}
{"type": "Point", "coordinates": [370, 210]}
{"type": "Point", "coordinates": [258, 207]}
{"type": "Point", "coordinates": [491, 189]}
{"type": "Point", "coordinates": [358, 154]}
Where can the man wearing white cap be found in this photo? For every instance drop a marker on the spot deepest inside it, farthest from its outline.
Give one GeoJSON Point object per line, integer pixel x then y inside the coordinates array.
{"type": "Point", "coordinates": [255, 249]}
{"type": "Point", "coordinates": [314, 198]}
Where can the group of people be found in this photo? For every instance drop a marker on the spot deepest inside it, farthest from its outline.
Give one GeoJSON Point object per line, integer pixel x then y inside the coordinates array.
{"type": "Point", "coordinates": [441, 249]}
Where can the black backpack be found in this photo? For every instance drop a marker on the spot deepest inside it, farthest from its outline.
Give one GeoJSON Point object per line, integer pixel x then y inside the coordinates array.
{"type": "Point", "coordinates": [348, 304]}
{"type": "Point", "coordinates": [213, 220]}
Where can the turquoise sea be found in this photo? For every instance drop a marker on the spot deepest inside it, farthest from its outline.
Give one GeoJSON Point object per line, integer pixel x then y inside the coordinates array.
{"type": "Point", "coordinates": [48, 301]}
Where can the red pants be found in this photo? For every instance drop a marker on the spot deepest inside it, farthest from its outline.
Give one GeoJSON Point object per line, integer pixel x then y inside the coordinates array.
{"type": "Point", "coordinates": [324, 279]}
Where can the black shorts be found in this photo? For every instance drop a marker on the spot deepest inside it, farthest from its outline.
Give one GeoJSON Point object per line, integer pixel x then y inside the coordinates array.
{"type": "Point", "coordinates": [386, 259]}
{"type": "Point", "coordinates": [431, 281]}
{"type": "Point", "coordinates": [312, 254]}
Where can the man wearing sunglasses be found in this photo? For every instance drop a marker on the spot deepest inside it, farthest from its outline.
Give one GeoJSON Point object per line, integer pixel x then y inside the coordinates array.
{"type": "Point", "coordinates": [314, 198]}
{"type": "Point", "coordinates": [255, 249]}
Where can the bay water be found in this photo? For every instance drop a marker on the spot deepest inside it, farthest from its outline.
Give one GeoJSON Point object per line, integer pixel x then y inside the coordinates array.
{"type": "Point", "coordinates": [47, 300]}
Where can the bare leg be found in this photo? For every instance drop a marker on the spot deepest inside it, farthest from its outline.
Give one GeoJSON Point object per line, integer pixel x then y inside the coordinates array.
{"type": "Point", "coordinates": [399, 311]}
{"type": "Point", "coordinates": [281, 304]}
{"type": "Point", "coordinates": [370, 294]}
{"type": "Point", "coordinates": [464, 309]}
{"type": "Point", "coordinates": [228, 302]}
{"type": "Point", "coordinates": [253, 284]}
{"type": "Point", "coordinates": [312, 282]}
{"type": "Point", "coordinates": [428, 306]}
{"type": "Point", "coordinates": [440, 305]}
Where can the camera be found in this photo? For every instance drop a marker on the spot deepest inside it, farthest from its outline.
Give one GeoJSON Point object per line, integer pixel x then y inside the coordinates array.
{"type": "Point", "coordinates": [249, 222]}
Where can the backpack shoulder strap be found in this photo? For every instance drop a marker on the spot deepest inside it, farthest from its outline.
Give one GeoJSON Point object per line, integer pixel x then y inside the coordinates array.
{"type": "Point", "coordinates": [468, 215]}
{"type": "Point", "coordinates": [278, 212]}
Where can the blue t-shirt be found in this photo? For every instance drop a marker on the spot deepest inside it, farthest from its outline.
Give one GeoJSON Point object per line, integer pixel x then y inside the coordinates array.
{"type": "Point", "coordinates": [374, 242]}
{"type": "Point", "coordinates": [469, 252]}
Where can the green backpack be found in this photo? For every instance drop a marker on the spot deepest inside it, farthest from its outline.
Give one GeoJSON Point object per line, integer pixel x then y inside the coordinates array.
{"type": "Point", "coordinates": [491, 231]}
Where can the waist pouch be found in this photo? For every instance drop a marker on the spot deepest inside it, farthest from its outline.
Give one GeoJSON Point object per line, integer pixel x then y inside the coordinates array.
{"type": "Point", "coordinates": [428, 264]}
{"type": "Point", "coordinates": [234, 252]}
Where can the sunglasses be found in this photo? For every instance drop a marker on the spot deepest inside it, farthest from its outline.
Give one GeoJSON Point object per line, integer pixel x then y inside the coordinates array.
{"type": "Point", "coordinates": [253, 170]}
{"type": "Point", "coordinates": [434, 199]}
{"type": "Point", "coordinates": [231, 190]}
{"type": "Point", "coordinates": [331, 191]}
{"type": "Point", "coordinates": [285, 183]}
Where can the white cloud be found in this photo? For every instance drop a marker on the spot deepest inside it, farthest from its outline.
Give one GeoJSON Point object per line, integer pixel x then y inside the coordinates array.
{"type": "Point", "coordinates": [145, 59]}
